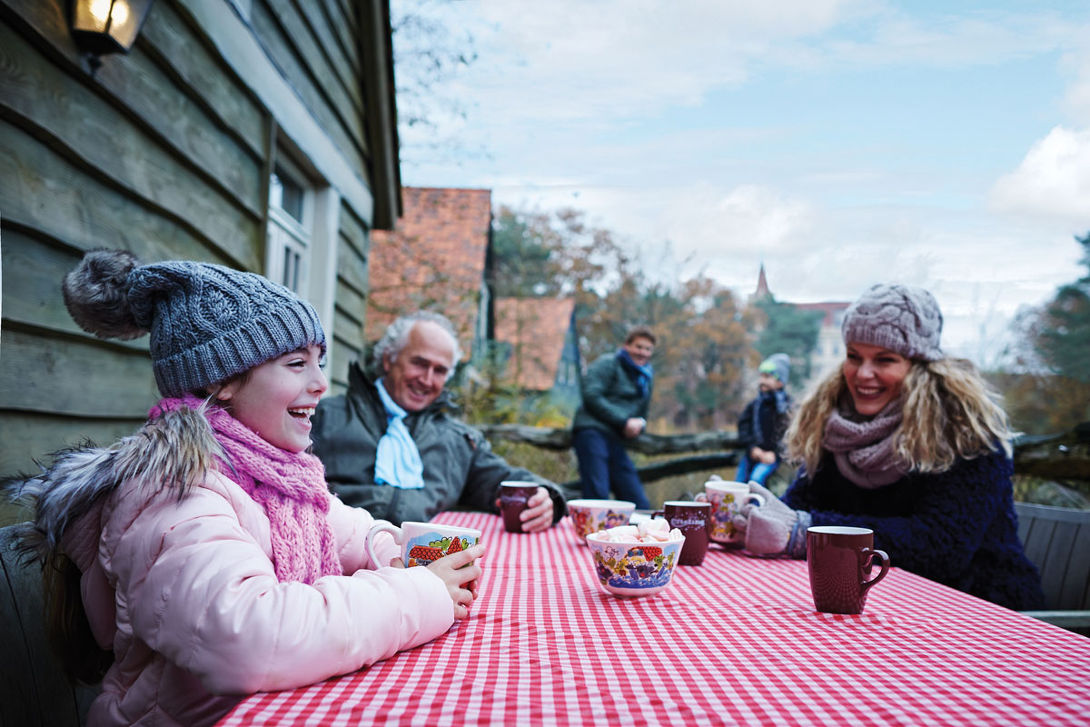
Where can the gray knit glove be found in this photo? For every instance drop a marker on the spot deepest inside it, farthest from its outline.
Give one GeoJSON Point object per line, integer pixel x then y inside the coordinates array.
{"type": "Point", "coordinates": [773, 528]}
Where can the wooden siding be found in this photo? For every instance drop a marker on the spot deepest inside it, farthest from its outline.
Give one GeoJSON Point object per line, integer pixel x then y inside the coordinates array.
{"type": "Point", "coordinates": [165, 152]}
{"type": "Point", "coordinates": [293, 47]}
{"type": "Point", "coordinates": [378, 65]}
{"type": "Point", "coordinates": [351, 297]}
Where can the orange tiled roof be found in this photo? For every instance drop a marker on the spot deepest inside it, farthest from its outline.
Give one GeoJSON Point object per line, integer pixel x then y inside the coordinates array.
{"type": "Point", "coordinates": [433, 260]}
{"type": "Point", "coordinates": [535, 328]}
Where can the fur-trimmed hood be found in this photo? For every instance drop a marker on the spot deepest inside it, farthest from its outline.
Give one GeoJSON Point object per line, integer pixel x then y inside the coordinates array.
{"type": "Point", "coordinates": [174, 450]}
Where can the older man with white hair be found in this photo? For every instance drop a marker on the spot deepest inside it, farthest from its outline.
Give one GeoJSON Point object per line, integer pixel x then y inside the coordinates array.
{"type": "Point", "coordinates": [389, 444]}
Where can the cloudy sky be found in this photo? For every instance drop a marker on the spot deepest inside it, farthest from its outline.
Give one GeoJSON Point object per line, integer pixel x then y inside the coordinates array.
{"type": "Point", "coordinates": [839, 142]}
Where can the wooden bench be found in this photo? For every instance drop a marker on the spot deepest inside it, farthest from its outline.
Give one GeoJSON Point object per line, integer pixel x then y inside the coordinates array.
{"type": "Point", "coordinates": [1057, 540]}
{"type": "Point", "coordinates": [34, 689]}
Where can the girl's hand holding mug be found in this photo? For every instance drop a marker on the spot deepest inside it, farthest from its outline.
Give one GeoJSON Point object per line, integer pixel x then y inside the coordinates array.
{"type": "Point", "coordinates": [447, 551]}
{"type": "Point", "coordinates": [460, 572]}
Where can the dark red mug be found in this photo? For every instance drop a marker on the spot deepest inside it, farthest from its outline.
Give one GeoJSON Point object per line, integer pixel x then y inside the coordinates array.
{"type": "Point", "coordinates": [691, 518]}
{"type": "Point", "coordinates": [839, 559]}
{"type": "Point", "coordinates": [514, 498]}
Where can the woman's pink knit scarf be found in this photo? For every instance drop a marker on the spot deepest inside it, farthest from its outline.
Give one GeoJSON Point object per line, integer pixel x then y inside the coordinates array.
{"type": "Point", "coordinates": [290, 486]}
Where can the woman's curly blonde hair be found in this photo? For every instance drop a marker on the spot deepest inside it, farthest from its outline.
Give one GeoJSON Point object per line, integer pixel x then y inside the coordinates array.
{"type": "Point", "coordinates": [950, 413]}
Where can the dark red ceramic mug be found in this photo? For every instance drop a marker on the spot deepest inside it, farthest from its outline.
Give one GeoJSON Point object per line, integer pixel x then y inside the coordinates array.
{"type": "Point", "coordinates": [691, 518]}
{"type": "Point", "coordinates": [514, 498]}
{"type": "Point", "coordinates": [840, 559]}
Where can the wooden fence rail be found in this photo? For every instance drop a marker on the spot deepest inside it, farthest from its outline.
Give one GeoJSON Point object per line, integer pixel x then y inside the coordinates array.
{"type": "Point", "coordinates": [1058, 457]}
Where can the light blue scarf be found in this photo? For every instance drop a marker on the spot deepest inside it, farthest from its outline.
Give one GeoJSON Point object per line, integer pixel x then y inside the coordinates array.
{"type": "Point", "coordinates": [397, 460]}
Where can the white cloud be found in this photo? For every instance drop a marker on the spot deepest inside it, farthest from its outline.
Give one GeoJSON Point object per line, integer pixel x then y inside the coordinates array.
{"type": "Point", "coordinates": [1053, 180]}
{"type": "Point", "coordinates": [571, 59]}
{"type": "Point", "coordinates": [955, 39]}
{"type": "Point", "coordinates": [748, 217]}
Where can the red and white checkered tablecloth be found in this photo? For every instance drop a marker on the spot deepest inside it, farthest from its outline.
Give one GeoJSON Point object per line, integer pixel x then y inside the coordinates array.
{"type": "Point", "coordinates": [733, 641]}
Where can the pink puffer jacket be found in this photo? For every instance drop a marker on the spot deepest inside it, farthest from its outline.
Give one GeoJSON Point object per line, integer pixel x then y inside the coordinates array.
{"type": "Point", "coordinates": [185, 594]}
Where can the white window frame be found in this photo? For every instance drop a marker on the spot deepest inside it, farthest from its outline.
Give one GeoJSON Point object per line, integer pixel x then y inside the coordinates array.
{"type": "Point", "coordinates": [287, 252]}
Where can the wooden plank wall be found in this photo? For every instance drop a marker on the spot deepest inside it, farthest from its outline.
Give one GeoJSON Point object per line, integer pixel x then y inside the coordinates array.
{"type": "Point", "coordinates": [164, 152]}
{"type": "Point", "coordinates": [351, 299]}
{"type": "Point", "coordinates": [316, 46]}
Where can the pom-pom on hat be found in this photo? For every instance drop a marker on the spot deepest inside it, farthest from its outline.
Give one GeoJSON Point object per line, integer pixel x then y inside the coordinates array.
{"type": "Point", "coordinates": [778, 365]}
{"type": "Point", "coordinates": [207, 322]}
{"type": "Point", "coordinates": [899, 318]}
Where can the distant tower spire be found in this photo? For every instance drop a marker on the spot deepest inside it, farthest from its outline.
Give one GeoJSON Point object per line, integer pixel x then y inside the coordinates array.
{"type": "Point", "coordinates": [762, 285]}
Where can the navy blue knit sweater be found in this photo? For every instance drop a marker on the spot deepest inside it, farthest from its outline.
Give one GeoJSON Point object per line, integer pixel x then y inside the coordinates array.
{"type": "Point", "coordinates": [956, 527]}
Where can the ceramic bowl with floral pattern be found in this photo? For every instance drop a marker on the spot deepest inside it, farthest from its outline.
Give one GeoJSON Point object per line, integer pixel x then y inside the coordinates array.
{"type": "Point", "coordinates": [630, 565]}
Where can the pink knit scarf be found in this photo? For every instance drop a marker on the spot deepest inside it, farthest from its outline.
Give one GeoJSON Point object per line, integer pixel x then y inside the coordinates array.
{"type": "Point", "coordinates": [290, 486]}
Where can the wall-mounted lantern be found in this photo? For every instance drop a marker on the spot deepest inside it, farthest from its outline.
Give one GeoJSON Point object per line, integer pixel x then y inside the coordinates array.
{"type": "Point", "coordinates": [106, 26]}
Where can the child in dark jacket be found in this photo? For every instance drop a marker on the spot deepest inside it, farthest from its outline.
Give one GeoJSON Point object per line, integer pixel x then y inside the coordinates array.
{"type": "Point", "coordinates": [764, 421]}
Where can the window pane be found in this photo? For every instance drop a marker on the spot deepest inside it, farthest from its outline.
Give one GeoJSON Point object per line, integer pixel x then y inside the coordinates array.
{"type": "Point", "coordinates": [296, 264]}
{"type": "Point", "coordinates": [286, 194]}
{"type": "Point", "coordinates": [276, 191]}
{"type": "Point", "coordinates": [285, 277]}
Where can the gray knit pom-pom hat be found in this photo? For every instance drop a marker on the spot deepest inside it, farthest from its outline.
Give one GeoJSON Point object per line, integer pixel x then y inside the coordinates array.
{"type": "Point", "coordinates": [207, 322]}
{"type": "Point", "coordinates": [779, 365]}
{"type": "Point", "coordinates": [899, 318]}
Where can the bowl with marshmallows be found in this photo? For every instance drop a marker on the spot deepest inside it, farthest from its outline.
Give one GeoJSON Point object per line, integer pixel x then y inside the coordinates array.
{"type": "Point", "coordinates": [635, 560]}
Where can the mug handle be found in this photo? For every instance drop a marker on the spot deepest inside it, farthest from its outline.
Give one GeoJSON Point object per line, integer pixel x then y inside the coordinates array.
{"type": "Point", "coordinates": [755, 496]}
{"type": "Point", "coordinates": [870, 554]}
{"type": "Point", "coordinates": [658, 513]}
{"type": "Point", "coordinates": [380, 526]}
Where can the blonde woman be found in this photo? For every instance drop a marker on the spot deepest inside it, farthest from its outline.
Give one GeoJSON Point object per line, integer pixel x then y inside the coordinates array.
{"type": "Point", "coordinates": [912, 444]}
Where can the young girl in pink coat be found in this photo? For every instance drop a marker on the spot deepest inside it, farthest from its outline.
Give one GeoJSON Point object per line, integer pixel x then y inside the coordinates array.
{"type": "Point", "coordinates": [203, 558]}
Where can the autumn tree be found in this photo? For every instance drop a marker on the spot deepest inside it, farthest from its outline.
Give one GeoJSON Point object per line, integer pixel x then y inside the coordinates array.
{"type": "Point", "coordinates": [1063, 326]}
{"type": "Point", "coordinates": [557, 259]}
{"type": "Point", "coordinates": [551, 254]}
{"type": "Point", "coordinates": [704, 350]}
{"type": "Point", "coordinates": [429, 51]}
{"type": "Point", "coordinates": [1050, 390]}
{"type": "Point", "coordinates": [558, 254]}
{"type": "Point", "coordinates": [705, 345]}
{"type": "Point", "coordinates": [788, 329]}
{"type": "Point", "coordinates": [525, 249]}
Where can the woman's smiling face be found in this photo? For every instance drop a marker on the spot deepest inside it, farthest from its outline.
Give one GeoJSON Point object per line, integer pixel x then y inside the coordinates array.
{"type": "Point", "coordinates": [874, 376]}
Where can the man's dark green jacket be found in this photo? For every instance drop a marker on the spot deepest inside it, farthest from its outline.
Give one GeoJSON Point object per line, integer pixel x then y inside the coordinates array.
{"type": "Point", "coordinates": [610, 396]}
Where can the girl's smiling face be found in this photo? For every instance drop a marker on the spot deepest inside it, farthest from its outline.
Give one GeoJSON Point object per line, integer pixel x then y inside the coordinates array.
{"type": "Point", "coordinates": [874, 376]}
{"type": "Point", "coordinates": [277, 399]}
